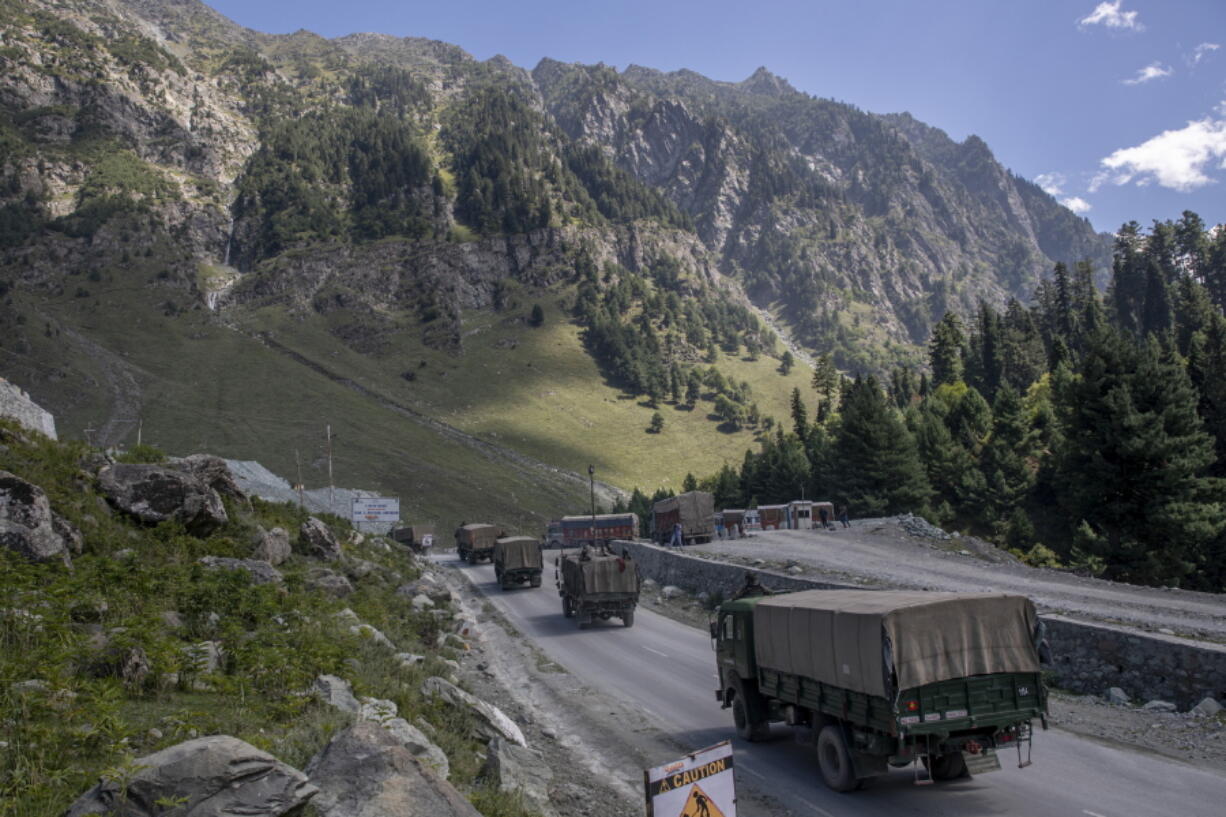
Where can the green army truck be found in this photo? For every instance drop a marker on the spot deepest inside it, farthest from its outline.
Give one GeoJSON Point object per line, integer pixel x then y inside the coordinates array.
{"type": "Point", "coordinates": [517, 560]}
{"type": "Point", "coordinates": [880, 678]}
{"type": "Point", "coordinates": [596, 583]}
{"type": "Point", "coordinates": [476, 542]}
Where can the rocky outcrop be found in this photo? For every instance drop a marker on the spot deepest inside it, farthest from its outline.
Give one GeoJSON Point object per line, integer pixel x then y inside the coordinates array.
{"type": "Point", "coordinates": [492, 721]}
{"type": "Point", "coordinates": [215, 775]}
{"type": "Point", "coordinates": [365, 771]}
{"type": "Point", "coordinates": [154, 494]}
{"type": "Point", "coordinates": [315, 539]}
{"type": "Point", "coordinates": [337, 693]}
{"type": "Point", "coordinates": [212, 471]}
{"type": "Point", "coordinates": [29, 527]}
{"type": "Point", "coordinates": [17, 405]}
{"type": "Point", "coordinates": [329, 581]}
{"type": "Point", "coordinates": [260, 572]}
{"type": "Point", "coordinates": [272, 546]}
{"type": "Point", "coordinates": [513, 768]}
{"type": "Point", "coordinates": [385, 713]}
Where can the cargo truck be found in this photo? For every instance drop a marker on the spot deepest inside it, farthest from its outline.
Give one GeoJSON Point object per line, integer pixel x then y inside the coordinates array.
{"type": "Point", "coordinates": [596, 583]}
{"type": "Point", "coordinates": [694, 510]}
{"type": "Point", "coordinates": [940, 681]}
{"type": "Point", "coordinates": [578, 530]}
{"type": "Point", "coordinates": [476, 542]}
{"type": "Point", "coordinates": [418, 537]}
{"type": "Point", "coordinates": [517, 559]}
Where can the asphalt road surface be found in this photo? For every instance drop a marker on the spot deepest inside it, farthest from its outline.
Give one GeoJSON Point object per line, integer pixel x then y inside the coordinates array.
{"type": "Point", "coordinates": [667, 670]}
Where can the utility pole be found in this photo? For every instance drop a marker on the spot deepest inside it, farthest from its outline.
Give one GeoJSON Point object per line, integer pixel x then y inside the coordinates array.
{"type": "Point", "coordinates": [140, 425]}
{"type": "Point", "coordinates": [328, 432]}
{"type": "Point", "coordinates": [591, 479]}
{"type": "Point", "coordinates": [299, 486]}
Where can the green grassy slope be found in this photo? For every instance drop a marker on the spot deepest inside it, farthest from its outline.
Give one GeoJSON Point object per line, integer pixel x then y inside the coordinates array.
{"type": "Point", "coordinates": [202, 386]}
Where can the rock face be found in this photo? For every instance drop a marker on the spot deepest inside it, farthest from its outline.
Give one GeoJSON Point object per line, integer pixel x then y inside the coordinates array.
{"type": "Point", "coordinates": [260, 572]}
{"type": "Point", "coordinates": [330, 582]}
{"type": "Point", "coordinates": [215, 775]}
{"type": "Point", "coordinates": [212, 471]}
{"type": "Point", "coordinates": [493, 722]}
{"type": "Point", "coordinates": [316, 539]}
{"type": "Point", "coordinates": [28, 525]}
{"type": "Point", "coordinates": [273, 546]}
{"type": "Point", "coordinates": [385, 713]}
{"type": "Point", "coordinates": [366, 772]}
{"type": "Point", "coordinates": [155, 494]}
{"type": "Point", "coordinates": [514, 768]}
{"type": "Point", "coordinates": [336, 692]}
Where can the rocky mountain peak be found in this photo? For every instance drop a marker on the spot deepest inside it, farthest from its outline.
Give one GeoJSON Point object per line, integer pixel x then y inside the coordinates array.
{"type": "Point", "coordinates": [762, 81]}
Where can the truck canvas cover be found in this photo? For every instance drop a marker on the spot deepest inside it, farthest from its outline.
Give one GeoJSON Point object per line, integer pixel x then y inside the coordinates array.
{"type": "Point", "coordinates": [847, 638]}
{"type": "Point", "coordinates": [693, 510]}
{"type": "Point", "coordinates": [599, 573]}
{"type": "Point", "coordinates": [515, 552]}
{"type": "Point", "coordinates": [479, 535]}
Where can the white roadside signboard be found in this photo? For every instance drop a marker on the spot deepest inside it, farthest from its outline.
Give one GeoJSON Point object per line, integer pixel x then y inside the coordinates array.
{"type": "Point", "coordinates": [376, 509]}
{"type": "Point", "coordinates": [698, 785]}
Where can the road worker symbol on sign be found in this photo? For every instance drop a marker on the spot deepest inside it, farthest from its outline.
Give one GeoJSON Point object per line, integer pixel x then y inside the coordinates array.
{"type": "Point", "coordinates": [700, 784]}
{"type": "Point", "coordinates": [699, 805]}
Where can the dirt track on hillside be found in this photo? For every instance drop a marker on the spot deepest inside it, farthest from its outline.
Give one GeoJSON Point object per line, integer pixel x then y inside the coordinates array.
{"type": "Point", "coordinates": [878, 552]}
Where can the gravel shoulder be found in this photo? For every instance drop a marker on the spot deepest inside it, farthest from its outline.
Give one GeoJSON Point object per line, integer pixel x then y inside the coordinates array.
{"type": "Point", "coordinates": [883, 553]}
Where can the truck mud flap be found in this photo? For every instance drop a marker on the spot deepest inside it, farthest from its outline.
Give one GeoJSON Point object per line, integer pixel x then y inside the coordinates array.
{"type": "Point", "coordinates": [982, 763]}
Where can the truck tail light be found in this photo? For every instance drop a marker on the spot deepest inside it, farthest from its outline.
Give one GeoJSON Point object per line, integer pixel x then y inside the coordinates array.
{"type": "Point", "coordinates": [912, 706]}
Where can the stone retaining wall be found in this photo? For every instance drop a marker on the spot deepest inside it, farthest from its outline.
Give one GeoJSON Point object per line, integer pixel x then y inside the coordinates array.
{"type": "Point", "coordinates": [1088, 658]}
{"type": "Point", "coordinates": [16, 404]}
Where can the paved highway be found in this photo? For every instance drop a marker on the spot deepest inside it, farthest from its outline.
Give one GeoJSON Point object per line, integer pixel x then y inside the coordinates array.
{"type": "Point", "coordinates": [667, 670]}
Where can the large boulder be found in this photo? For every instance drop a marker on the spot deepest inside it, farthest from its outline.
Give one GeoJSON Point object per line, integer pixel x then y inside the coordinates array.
{"type": "Point", "coordinates": [492, 722]}
{"type": "Point", "coordinates": [207, 777]}
{"type": "Point", "coordinates": [513, 768]}
{"type": "Point", "coordinates": [272, 546]}
{"type": "Point", "coordinates": [28, 525]}
{"type": "Point", "coordinates": [212, 471]}
{"type": "Point", "coordinates": [155, 494]}
{"type": "Point", "coordinates": [316, 539]}
{"type": "Point", "coordinates": [364, 771]}
{"type": "Point", "coordinates": [328, 581]}
{"type": "Point", "coordinates": [385, 713]}
{"type": "Point", "coordinates": [260, 572]}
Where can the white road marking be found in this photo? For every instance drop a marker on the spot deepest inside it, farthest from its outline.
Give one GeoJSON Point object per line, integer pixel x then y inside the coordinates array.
{"type": "Point", "coordinates": [1091, 813]}
{"type": "Point", "coordinates": [657, 652]}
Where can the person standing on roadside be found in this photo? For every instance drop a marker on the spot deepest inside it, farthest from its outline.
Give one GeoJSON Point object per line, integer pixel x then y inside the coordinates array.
{"type": "Point", "coordinates": [677, 540]}
{"type": "Point", "coordinates": [843, 516]}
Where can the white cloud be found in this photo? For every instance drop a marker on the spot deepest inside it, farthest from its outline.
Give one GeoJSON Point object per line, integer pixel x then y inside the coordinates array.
{"type": "Point", "coordinates": [1051, 183]}
{"type": "Point", "coordinates": [1201, 51]}
{"type": "Point", "coordinates": [1176, 159]}
{"type": "Point", "coordinates": [1077, 204]}
{"type": "Point", "coordinates": [1154, 70]}
{"type": "Point", "coordinates": [1109, 15]}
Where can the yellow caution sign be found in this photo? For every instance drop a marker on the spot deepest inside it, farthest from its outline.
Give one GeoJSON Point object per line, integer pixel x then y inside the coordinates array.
{"type": "Point", "coordinates": [699, 805]}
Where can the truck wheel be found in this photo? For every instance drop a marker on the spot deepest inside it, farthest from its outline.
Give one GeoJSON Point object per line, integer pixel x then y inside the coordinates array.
{"type": "Point", "coordinates": [472, 557]}
{"type": "Point", "coordinates": [536, 580]}
{"type": "Point", "coordinates": [746, 727]}
{"type": "Point", "coordinates": [567, 610]}
{"type": "Point", "coordinates": [949, 766]}
{"type": "Point", "coordinates": [628, 619]}
{"type": "Point", "coordinates": [833, 759]}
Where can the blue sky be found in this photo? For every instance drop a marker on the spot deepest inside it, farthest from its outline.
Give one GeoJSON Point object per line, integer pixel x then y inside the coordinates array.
{"type": "Point", "coordinates": [1117, 107]}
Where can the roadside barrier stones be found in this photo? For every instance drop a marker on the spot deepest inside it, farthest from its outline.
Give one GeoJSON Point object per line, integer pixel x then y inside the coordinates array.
{"type": "Point", "coordinates": [1207, 708]}
{"type": "Point", "coordinates": [214, 775]}
{"type": "Point", "coordinates": [1117, 696]}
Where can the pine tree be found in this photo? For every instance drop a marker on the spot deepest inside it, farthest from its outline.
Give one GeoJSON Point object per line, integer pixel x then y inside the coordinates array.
{"type": "Point", "coordinates": [1133, 462]}
{"type": "Point", "coordinates": [825, 383]}
{"type": "Point", "coordinates": [877, 468]}
{"type": "Point", "coordinates": [945, 350]}
{"type": "Point", "coordinates": [1006, 460]}
{"type": "Point", "coordinates": [800, 417]}
{"type": "Point", "coordinates": [786, 363]}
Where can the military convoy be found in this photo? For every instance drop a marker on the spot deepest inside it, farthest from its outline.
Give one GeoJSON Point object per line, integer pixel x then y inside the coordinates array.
{"type": "Point", "coordinates": [517, 560]}
{"type": "Point", "coordinates": [880, 678]}
{"type": "Point", "coordinates": [596, 583]}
